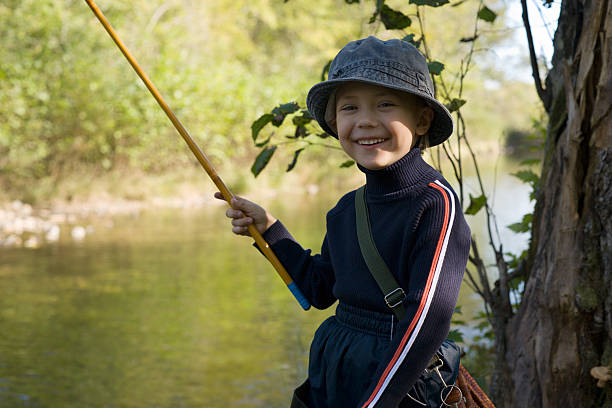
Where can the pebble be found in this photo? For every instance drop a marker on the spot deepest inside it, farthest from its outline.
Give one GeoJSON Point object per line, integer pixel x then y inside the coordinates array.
{"type": "Point", "coordinates": [21, 226]}
{"type": "Point", "coordinates": [78, 233]}
{"type": "Point", "coordinates": [53, 233]}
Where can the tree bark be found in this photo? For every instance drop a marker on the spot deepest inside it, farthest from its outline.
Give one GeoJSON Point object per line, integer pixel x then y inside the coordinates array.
{"type": "Point", "coordinates": [563, 327]}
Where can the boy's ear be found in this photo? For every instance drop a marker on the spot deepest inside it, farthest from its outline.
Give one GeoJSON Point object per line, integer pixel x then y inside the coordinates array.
{"type": "Point", "coordinates": [424, 120]}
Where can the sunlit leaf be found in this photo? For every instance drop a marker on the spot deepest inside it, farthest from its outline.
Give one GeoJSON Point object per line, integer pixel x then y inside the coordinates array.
{"type": "Point", "coordinates": [393, 19]}
{"type": "Point", "coordinates": [476, 203]}
{"type": "Point", "coordinates": [529, 162]}
{"type": "Point", "coordinates": [523, 226]}
{"type": "Point", "coordinates": [527, 176]}
{"type": "Point", "coordinates": [455, 104]}
{"type": "Point", "coordinates": [487, 14]}
{"type": "Point", "coordinates": [435, 67]}
{"type": "Point", "coordinates": [259, 124]}
{"type": "Point", "coordinates": [430, 3]}
{"type": "Point", "coordinates": [347, 163]}
{"type": "Point", "coordinates": [295, 158]}
{"type": "Point", "coordinates": [262, 159]}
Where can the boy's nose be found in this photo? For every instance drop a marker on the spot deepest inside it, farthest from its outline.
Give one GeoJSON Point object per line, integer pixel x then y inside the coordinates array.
{"type": "Point", "coordinates": [367, 119]}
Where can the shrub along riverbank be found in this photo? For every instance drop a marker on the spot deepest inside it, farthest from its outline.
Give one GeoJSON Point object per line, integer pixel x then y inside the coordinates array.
{"type": "Point", "coordinates": [75, 122]}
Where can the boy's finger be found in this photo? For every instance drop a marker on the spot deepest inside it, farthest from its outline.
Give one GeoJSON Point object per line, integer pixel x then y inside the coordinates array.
{"type": "Point", "coordinates": [240, 231]}
{"type": "Point", "coordinates": [231, 213]}
{"type": "Point", "coordinates": [219, 196]}
{"type": "Point", "coordinates": [242, 222]}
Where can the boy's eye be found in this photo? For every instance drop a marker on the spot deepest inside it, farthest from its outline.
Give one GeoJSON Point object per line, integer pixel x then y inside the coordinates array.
{"type": "Point", "coordinates": [386, 104]}
{"type": "Point", "coordinates": [348, 107]}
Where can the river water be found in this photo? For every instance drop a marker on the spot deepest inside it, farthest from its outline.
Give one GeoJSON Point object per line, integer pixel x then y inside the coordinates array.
{"type": "Point", "coordinates": [169, 309]}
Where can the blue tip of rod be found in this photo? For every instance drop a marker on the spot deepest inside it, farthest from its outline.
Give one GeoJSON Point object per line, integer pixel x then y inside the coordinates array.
{"type": "Point", "coordinates": [299, 296]}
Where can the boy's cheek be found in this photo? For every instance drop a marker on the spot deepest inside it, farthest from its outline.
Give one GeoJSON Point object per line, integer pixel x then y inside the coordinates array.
{"type": "Point", "coordinates": [333, 125]}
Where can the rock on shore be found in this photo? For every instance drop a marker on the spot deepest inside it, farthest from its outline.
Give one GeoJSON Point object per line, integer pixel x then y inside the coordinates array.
{"type": "Point", "coordinates": [20, 226]}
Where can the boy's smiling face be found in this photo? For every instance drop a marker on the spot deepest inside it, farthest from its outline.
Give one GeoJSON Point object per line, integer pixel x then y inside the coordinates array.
{"type": "Point", "coordinates": [376, 125]}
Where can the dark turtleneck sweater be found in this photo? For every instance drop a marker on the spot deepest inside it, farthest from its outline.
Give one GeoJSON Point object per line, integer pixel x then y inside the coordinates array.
{"type": "Point", "coordinates": [418, 227]}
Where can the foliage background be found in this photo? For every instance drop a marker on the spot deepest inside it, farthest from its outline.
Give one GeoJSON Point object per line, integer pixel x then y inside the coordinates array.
{"type": "Point", "coordinates": [76, 123]}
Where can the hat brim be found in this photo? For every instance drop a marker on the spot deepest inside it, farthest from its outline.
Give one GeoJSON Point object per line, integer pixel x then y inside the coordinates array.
{"type": "Point", "coordinates": [441, 126]}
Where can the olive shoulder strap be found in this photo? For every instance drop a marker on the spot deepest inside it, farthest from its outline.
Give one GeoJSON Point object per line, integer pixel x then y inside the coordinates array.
{"type": "Point", "coordinates": [393, 293]}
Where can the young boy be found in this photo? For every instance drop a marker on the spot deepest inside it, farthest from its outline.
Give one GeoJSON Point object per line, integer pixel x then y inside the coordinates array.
{"type": "Point", "coordinates": [378, 101]}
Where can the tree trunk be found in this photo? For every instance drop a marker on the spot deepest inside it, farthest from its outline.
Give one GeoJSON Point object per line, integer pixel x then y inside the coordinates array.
{"type": "Point", "coordinates": [563, 327]}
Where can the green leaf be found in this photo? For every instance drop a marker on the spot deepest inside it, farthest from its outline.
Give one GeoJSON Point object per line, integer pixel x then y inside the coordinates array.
{"type": "Point", "coordinates": [476, 203]}
{"type": "Point", "coordinates": [393, 19]}
{"type": "Point", "coordinates": [529, 162]}
{"type": "Point", "coordinates": [347, 163]}
{"type": "Point", "coordinates": [430, 3]}
{"type": "Point", "coordinates": [295, 158]}
{"type": "Point", "coordinates": [487, 14]}
{"type": "Point", "coordinates": [469, 39]}
{"type": "Point", "coordinates": [410, 39]}
{"type": "Point", "coordinates": [527, 176]}
{"type": "Point", "coordinates": [303, 119]}
{"type": "Point", "coordinates": [523, 226]}
{"type": "Point", "coordinates": [455, 104]}
{"type": "Point", "coordinates": [436, 67]}
{"type": "Point", "coordinates": [262, 159]}
{"type": "Point", "coordinates": [455, 335]}
{"type": "Point", "coordinates": [483, 325]}
{"type": "Point", "coordinates": [300, 131]}
{"type": "Point", "coordinates": [259, 124]}
{"type": "Point", "coordinates": [516, 282]}
{"type": "Point", "coordinates": [379, 6]}
{"type": "Point", "coordinates": [280, 112]}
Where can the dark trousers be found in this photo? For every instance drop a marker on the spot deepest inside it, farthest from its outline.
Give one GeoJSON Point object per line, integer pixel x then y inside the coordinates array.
{"type": "Point", "coordinates": [344, 358]}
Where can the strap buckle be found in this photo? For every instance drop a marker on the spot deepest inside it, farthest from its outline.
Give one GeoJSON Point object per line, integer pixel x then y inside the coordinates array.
{"type": "Point", "coordinates": [395, 297]}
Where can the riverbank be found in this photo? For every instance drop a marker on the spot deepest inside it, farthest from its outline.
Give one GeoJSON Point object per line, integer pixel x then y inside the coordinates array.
{"type": "Point", "coordinates": [88, 196]}
{"type": "Point", "coordinates": [23, 225]}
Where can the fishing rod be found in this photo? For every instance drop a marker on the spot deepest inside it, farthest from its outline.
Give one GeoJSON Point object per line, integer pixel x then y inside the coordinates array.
{"type": "Point", "coordinates": [199, 154]}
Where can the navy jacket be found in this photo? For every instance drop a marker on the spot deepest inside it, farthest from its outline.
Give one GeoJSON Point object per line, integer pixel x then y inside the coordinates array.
{"type": "Point", "coordinates": [420, 232]}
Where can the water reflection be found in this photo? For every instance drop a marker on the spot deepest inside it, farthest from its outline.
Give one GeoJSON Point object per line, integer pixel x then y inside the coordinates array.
{"type": "Point", "coordinates": [163, 310]}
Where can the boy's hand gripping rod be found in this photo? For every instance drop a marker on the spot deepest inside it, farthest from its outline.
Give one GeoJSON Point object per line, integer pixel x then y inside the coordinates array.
{"type": "Point", "coordinates": [227, 194]}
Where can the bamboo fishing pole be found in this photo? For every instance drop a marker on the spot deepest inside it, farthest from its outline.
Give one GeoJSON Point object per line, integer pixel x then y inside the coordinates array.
{"type": "Point", "coordinates": [199, 154]}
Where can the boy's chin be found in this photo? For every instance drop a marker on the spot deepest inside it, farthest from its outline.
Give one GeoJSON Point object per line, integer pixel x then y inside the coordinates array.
{"type": "Point", "coordinates": [376, 165]}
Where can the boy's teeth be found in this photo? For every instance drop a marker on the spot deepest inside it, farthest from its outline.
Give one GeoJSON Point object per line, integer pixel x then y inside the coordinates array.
{"type": "Point", "coordinates": [370, 141]}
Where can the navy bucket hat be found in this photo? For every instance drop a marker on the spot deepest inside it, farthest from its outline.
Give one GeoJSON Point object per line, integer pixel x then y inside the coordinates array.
{"type": "Point", "coordinates": [394, 64]}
